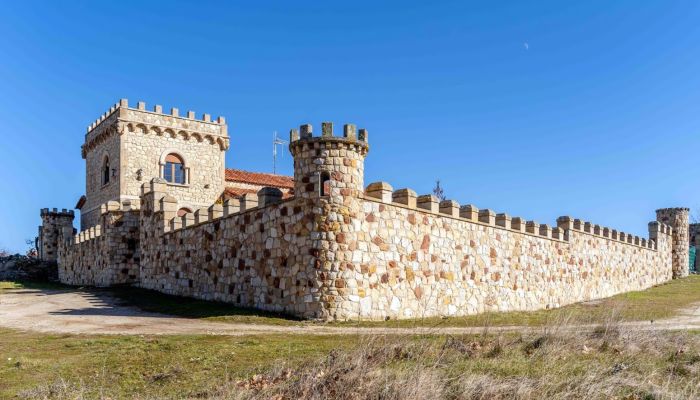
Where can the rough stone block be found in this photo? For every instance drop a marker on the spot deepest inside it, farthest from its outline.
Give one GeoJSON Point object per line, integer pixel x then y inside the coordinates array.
{"type": "Point", "coordinates": [487, 216]}
{"type": "Point", "coordinates": [268, 196]}
{"type": "Point", "coordinates": [469, 212]}
{"type": "Point", "coordinates": [405, 196]}
{"type": "Point", "coordinates": [503, 220]}
{"type": "Point", "coordinates": [427, 202]}
{"type": "Point", "coordinates": [248, 201]}
{"type": "Point", "coordinates": [449, 207]}
{"type": "Point", "coordinates": [517, 224]}
{"type": "Point", "coordinates": [380, 190]}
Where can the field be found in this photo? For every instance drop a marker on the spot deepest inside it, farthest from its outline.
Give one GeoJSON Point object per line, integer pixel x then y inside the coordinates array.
{"type": "Point", "coordinates": [608, 361]}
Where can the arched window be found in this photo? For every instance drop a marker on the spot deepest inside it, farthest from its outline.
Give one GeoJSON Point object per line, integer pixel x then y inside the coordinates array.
{"type": "Point", "coordinates": [183, 211]}
{"type": "Point", "coordinates": [105, 170]}
{"type": "Point", "coordinates": [174, 169]}
{"type": "Point", "coordinates": [325, 184]}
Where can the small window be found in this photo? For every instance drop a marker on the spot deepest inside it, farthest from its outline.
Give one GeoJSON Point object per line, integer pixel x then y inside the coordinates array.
{"type": "Point", "coordinates": [174, 169]}
{"type": "Point", "coordinates": [325, 184]}
{"type": "Point", "coordinates": [105, 171]}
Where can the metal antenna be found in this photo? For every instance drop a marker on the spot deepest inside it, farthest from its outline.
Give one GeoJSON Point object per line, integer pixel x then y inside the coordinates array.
{"type": "Point", "coordinates": [275, 142]}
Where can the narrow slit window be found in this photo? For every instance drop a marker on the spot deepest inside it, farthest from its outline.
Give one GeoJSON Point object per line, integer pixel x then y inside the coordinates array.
{"type": "Point", "coordinates": [325, 184]}
{"type": "Point", "coordinates": [105, 171]}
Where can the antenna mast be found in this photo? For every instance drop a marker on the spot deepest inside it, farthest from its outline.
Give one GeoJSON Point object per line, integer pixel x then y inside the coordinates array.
{"type": "Point", "coordinates": [275, 142]}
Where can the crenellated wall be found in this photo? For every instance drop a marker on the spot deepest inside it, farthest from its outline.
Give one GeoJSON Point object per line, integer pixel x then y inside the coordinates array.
{"type": "Point", "coordinates": [103, 255]}
{"type": "Point", "coordinates": [250, 253]}
{"type": "Point", "coordinates": [338, 250]}
{"type": "Point", "coordinates": [414, 257]}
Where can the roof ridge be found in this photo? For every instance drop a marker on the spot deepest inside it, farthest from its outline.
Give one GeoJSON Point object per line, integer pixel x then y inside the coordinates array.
{"type": "Point", "coordinates": [259, 173]}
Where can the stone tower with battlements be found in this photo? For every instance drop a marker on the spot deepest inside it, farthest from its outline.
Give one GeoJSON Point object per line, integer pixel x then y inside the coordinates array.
{"type": "Point", "coordinates": [127, 147]}
{"type": "Point", "coordinates": [54, 225]}
{"type": "Point", "coordinates": [329, 179]}
{"type": "Point", "coordinates": [677, 218]}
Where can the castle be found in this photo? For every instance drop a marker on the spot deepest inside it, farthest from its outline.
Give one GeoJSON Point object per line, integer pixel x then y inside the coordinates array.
{"type": "Point", "coordinates": [162, 212]}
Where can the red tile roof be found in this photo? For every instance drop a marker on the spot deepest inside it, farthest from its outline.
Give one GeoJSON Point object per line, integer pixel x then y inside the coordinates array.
{"type": "Point", "coordinates": [230, 192]}
{"type": "Point", "coordinates": [258, 178]}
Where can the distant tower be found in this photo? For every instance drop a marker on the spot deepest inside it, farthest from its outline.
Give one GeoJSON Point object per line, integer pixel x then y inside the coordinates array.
{"type": "Point", "coordinates": [52, 226]}
{"type": "Point", "coordinates": [329, 181]}
{"type": "Point", "coordinates": [677, 218]}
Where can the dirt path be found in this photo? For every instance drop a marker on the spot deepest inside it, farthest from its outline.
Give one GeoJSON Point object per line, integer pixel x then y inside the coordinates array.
{"type": "Point", "coordinates": [85, 312]}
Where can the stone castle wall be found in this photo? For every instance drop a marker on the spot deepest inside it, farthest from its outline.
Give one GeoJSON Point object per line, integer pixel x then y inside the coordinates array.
{"type": "Point", "coordinates": [405, 262]}
{"type": "Point", "coordinates": [260, 257]}
{"type": "Point", "coordinates": [338, 250]}
{"type": "Point", "coordinates": [104, 255]}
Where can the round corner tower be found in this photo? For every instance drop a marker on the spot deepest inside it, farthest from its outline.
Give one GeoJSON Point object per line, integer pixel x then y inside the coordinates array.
{"type": "Point", "coordinates": [328, 168]}
{"type": "Point", "coordinates": [329, 182]}
{"type": "Point", "coordinates": [677, 218]}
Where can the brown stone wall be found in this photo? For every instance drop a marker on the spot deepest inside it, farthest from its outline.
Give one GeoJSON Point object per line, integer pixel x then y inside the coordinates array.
{"type": "Point", "coordinates": [105, 254]}
{"type": "Point", "coordinates": [261, 258]}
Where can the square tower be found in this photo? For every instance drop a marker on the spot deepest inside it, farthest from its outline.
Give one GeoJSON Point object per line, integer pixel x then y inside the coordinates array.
{"type": "Point", "coordinates": [127, 147]}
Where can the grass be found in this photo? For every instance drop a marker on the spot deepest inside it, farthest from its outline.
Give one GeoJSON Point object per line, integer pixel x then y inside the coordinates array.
{"type": "Point", "coordinates": [605, 364]}
{"type": "Point", "coordinates": [662, 301]}
{"type": "Point", "coordinates": [151, 367]}
{"type": "Point", "coordinates": [9, 285]}
{"type": "Point", "coordinates": [608, 363]}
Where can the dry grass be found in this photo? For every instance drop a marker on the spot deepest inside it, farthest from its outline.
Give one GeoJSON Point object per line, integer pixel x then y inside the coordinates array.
{"type": "Point", "coordinates": [554, 363]}
{"type": "Point", "coordinates": [604, 364]}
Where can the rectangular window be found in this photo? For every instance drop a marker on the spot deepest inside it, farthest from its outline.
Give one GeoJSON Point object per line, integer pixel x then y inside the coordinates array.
{"type": "Point", "coordinates": [179, 173]}
{"type": "Point", "coordinates": [168, 172]}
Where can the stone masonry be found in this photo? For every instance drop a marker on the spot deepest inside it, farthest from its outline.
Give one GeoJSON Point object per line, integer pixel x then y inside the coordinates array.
{"type": "Point", "coordinates": [678, 219]}
{"type": "Point", "coordinates": [338, 250]}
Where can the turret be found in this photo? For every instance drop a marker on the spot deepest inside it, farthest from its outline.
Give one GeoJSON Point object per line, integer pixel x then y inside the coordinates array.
{"type": "Point", "coordinates": [677, 218]}
{"type": "Point", "coordinates": [54, 225]}
{"type": "Point", "coordinates": [329, 180]}
{"type": "Point", "coordinates": [327, 166]}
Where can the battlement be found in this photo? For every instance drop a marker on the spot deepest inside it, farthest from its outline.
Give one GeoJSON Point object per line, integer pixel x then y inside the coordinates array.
{"type": "Point", "coordinates": [351, 136]}
{"type": "Point", "coordinates": [55, 213]}
{"type": "Point", "coordinates": [86, 235]}
{"type": "Point", "coordinates": [157, 109]}
{"type": "Point", "coordinates": [120, 119]}
{"type": "Point", "coordinates": [265, 197]}
{"type": "Point", "coordinates": [383, 192]}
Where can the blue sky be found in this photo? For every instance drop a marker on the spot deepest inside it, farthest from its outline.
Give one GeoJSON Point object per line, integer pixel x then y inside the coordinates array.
{"type": "Point", "coordinates": [597, 117]}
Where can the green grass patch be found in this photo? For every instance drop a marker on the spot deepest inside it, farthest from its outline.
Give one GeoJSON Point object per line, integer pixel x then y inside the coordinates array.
{"type": "Point", "coordinates": [153, 367]}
